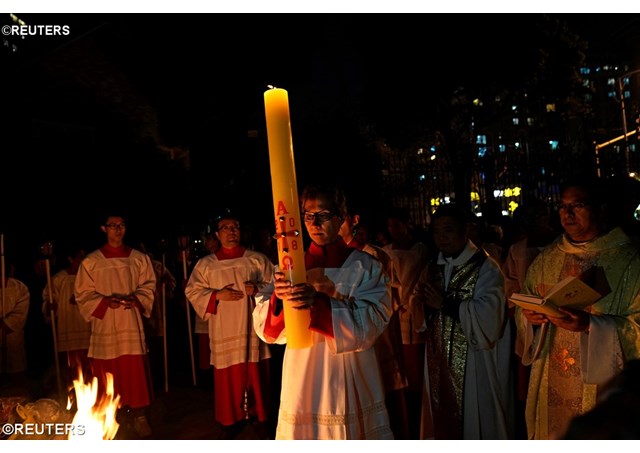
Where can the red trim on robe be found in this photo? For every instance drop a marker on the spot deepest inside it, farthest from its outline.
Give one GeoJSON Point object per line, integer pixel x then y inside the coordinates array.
{"type": "Point", "coordinates": [327, 256]}
{"type": "Point", "coordinates": [212, 306]}
{"type": "Point", "coordinates": [123, 251]}
{"type": "Point", "coordinates": [101, 309]}
{"type": "Point", "coordinates": [224, 253]}
{"type": "Point", "coordinates": [331, 255]}
{"type": "Point", "coordinates": [274, 324]}
{"type": "Point", "coordinates": [129, 379]}
{"type": "Point", "coordinates": [321, 317]}
{"type": "Point", "coordinates": [229, 390]}
{"type": "Point", "coordinates": [354, 244]}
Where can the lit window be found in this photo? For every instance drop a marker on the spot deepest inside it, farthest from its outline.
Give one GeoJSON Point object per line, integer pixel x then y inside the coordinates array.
{"type": "Point", "coordinates": [516, 121]}
{"type": "Point", "coordinates": [530, 121]}
{"type": "Point", "coordinates": [502, 148]}
{"type": "Point", "coordinates": [422, 177]}
{"type": "Point", "coordinates": [517, 145]}
{"type": "Point", "coordinates": [482, 150]}
{"type": "Point", "coordinates": [551, 108]}
{"type": "Point", "coordinates": [481, 140]}
{"type": "Point", "coordinates": [420, 151]}
{"type": "Point", "coordinates": [554, 144]}
{"type": "Point", "coordinates": [514, 108]}
{"type": "Point", "coordinates": [611, 82]}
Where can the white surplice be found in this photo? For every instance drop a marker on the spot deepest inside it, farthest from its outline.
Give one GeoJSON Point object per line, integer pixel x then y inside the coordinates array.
{"type": "Point", "coordinates": [334, 389]}
{"type": "Point", "coordinates": [120, 332]}
{"type": "Point", "coordinates": [229, 329]}
{"type": "Point", "coordinates": [72, 329]}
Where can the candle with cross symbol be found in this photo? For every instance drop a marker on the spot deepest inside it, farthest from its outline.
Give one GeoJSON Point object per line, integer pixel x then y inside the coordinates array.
{"type": "Point", "coordinates": [287, 211]}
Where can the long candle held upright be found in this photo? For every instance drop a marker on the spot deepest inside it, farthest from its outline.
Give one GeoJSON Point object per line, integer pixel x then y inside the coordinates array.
{"type": "Point", "coordinates": [286, 210]}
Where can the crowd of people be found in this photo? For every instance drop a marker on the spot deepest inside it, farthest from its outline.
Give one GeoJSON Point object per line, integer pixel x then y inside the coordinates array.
{"type": "Point", "coordinates": [412, 333]}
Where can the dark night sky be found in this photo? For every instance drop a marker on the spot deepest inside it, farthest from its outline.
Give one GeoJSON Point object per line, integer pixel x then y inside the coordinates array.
{"type": "Point", "coordinates": [202, 77]}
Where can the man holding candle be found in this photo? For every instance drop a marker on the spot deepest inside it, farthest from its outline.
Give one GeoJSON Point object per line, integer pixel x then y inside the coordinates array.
{"type": "Point", "coordinates": [332, 389]}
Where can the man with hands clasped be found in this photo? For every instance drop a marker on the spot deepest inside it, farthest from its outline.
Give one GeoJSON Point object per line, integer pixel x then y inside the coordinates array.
{"type": "Point", "coordinates": [115, 286]}
{"type": "Point", "coordinates": [221, 289]}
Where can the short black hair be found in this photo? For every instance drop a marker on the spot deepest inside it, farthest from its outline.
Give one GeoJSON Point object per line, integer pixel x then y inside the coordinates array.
{"type": "Point", "coordinates": [454, 211]}
{"type": "Point", "coordinates": [333, 194]}
{"type": "Point", "coordinates": [592, 186]}
{"type": "Point", "coordinates": [224, 214]}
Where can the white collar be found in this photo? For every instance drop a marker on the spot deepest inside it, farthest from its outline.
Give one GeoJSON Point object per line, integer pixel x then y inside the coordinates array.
{"type": "Point", "coordinates": [469, 250]}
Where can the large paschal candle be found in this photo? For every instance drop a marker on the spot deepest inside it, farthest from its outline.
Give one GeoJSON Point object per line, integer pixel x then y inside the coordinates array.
{"type": "Point", "coordinates": [287, 211]}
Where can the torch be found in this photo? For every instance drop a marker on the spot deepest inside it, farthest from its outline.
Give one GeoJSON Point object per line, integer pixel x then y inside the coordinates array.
{"type": "Point", "coordinates": [183, 243]}
{"type": "Point", "coordinates": [47, 251]}
{"type": "Point", "coordinates": [287, 211]}
{"type": "Point", "coordinates": [3, 351]}
{"type": "Point", "coordinates": [163, 246]}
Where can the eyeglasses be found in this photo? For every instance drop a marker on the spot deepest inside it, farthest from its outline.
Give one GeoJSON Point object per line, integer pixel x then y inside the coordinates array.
{"type": "Point", "coordinates": [229, 228]}
{"type": "Point", "coordinates": [320, 217]}
{"type": "Point", "coordinates": [577, 206]}
{"type": "Point", "coordinates": [113, 226]}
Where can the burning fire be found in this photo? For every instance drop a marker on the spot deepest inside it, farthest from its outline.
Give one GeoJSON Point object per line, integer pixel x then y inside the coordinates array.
{"type": "Point", "coordinates": [98, 418]}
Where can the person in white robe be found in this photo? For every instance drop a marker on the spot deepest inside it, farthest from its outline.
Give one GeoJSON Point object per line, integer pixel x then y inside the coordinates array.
{"type": "Point", "coordinates": [72, 330]}
{"type": "Point", "coordinates": [14, 312]}
{"type": "Point", "coordinates": [221, 290]}
{"type": "Point", "coordinates": [468, 391]}
{"type": "Point", "coordinates": [332, 389]}
{"type": "Point", "coordinates": [409, 257]}
{"type": "Point", "coordinates": [114, 288]}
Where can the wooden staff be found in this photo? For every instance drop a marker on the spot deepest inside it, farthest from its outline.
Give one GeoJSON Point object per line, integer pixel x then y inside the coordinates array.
{"type": "Point", "coordinates": [188, 310]}
{"type": "Point", "coordinates": [3, 271]}
{"type": "Point", "coordinates": [3, 351]}
{"type": "Point", "coordinates": [164, 316]}
{"type": "Point", "coordinates": [47, 250]}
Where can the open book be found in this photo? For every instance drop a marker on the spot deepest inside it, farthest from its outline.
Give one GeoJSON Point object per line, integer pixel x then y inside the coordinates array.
{"type": "Point", "coordinates": [570, 292]}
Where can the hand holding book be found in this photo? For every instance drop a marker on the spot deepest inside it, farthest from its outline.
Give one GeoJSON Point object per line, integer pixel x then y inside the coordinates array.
{"type": "Point", "coordinates": [570, 292]}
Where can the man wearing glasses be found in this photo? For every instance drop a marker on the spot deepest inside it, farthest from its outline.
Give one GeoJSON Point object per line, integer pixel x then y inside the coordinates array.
{"type": "Point", "coordinates": [114, 288]}
{"type": "Point", "coordinates": [572, 356]}
{"type": "Point", "coordinates": [333, 389]}
{"type": "Point", "coordinates": [221, 289]}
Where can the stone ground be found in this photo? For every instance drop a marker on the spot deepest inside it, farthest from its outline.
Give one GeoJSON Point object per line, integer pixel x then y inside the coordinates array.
{"type": "Point", "coordinates": [185, 412]}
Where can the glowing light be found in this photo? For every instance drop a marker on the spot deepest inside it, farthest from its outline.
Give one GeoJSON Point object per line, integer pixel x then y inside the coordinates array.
{"type": "Point", "coordinates": [97, 417]}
